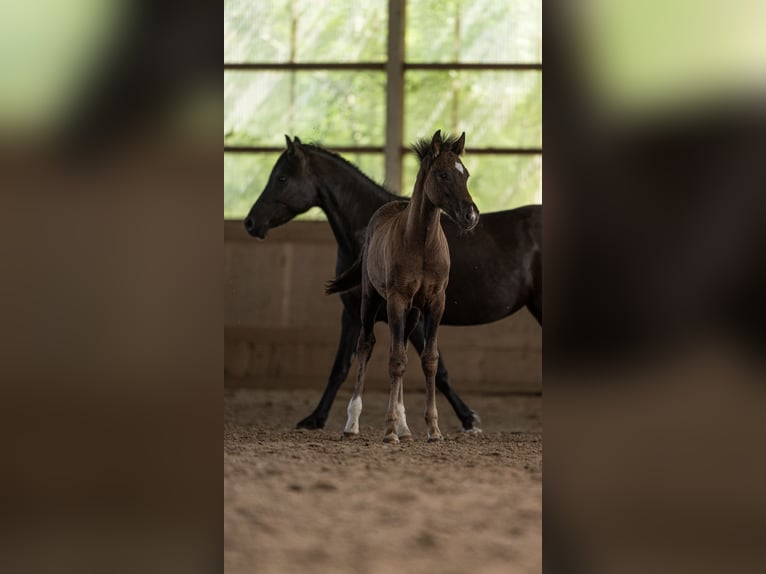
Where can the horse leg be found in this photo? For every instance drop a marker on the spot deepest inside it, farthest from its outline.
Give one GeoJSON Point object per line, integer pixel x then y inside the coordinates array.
{"type": "Point", "coordinates": [429, 360]}
{"type": "Point", "coordinates": [344, 356]}
{"type": "Point", "coordinates": [396, 424]}
{"type": "Point", "coordinates": [402, 430]}
{"type": "Point", "coordinates": [469, 419]}
{"type": "Point", "coordinates": [371, 302]}
{"type": "Point", "coordinates": [413, 320]}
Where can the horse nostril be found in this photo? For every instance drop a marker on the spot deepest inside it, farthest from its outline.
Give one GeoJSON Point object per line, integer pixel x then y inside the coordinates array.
{"type": "Point", "coordinates": [471, 215]}
{"type": "Point", "coordinates": [249, 224]}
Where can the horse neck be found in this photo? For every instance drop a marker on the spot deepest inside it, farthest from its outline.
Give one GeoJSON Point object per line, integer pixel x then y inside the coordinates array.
{"type": "Point", "coordinates": [423, 219]}
{"type": "Point", "coordinates": [347, 197]}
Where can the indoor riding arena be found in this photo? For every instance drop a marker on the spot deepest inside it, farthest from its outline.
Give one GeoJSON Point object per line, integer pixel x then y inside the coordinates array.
{"type": "Point", "coordinates": [322, 103]}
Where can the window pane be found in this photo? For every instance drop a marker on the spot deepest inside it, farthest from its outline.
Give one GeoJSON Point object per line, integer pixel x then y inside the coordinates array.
{"type": "Point", "coordinates": [333, 107]}
{"type": "Point", "coordinates": [500, 31]}
{"type": "Point", "coordinates": [339, 31]}
{"type": "Point", "coordinates": [245, 176]}
{"type": "Point", "coordinates": [256, 31]}
{"type": "Point", "coordinates": [372, 164]}
{"type": "Point", "coordinates": [497, 182]}
{"type": "Point", "coordinates": [494, 108]}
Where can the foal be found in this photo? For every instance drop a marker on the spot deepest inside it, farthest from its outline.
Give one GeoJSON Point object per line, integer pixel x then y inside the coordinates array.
{"type": "Point", "coordinates": [405, 262]}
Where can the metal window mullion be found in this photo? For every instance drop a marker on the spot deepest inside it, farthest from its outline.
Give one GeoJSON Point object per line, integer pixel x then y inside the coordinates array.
{"type": "Point", "coordinates": [395, 95]}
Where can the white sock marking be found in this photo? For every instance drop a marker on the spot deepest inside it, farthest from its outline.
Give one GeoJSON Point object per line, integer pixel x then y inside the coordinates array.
{"type": "Point", "coordinates": [401, 424]}
{"type": "Point", "coordinates": [354, 410]}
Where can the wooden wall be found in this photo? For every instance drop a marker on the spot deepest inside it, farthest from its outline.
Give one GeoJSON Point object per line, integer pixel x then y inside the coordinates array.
{"type": "Point", "coordinates": [281, 330]}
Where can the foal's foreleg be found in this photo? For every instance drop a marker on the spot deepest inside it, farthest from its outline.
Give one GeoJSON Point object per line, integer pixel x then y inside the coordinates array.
{"type": "Point", "coordinates": [402, 430]}
{"type": "Point", "coordinates": [396, 421]}
{"type": "Point", "coordinates": [429, 360]}
{"type": "Point", "coordinates": [469, 419]}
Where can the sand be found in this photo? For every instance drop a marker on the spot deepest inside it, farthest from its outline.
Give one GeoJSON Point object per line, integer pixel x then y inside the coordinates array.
{"type": "Point", "coordinates": [311, 501]}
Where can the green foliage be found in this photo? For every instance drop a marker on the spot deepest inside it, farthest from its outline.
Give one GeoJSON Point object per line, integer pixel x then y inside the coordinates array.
{"type": "Point", "coordinates": [494, 108]}
{"type": "Point", "coordinates": [337, 31]}
{"type": "Point", "coordinates": [474, 31]}
{"type": "Point", "coordinates": [256, 31]}
{"type": "Point", "coordinates": [497, 181]}
{"type": "Point", "coordinates": [334, 107]}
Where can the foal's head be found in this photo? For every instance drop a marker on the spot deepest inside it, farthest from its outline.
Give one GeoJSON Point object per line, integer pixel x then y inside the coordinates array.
{"type": "Point", "coordinates": [445, 178]}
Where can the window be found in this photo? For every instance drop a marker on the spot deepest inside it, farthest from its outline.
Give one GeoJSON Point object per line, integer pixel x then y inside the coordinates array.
{"type": "Point", "coordinates": [325, 71]}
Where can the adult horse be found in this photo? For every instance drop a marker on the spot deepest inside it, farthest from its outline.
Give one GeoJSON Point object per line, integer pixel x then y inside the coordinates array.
{"type": "Point", "coordinates": [496, 269]}
{"type": "Point", "coordinates": [405, 264]}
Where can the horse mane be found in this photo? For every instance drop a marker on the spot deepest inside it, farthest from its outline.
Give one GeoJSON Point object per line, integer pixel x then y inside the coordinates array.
{"type": "Point", "coordinates": [317, 147]}
{"type": "Point", "coordinates": [422, 147]}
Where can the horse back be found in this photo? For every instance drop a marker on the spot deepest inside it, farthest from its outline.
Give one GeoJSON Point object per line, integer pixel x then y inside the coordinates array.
{"type": "Point", "coordinates": [496, 268]}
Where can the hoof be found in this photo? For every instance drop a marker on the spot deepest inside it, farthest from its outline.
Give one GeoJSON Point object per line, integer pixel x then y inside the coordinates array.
{"type": "Point", "coordinates": [473, 431]}
{"type": "Point", "coordinates": [405, 438]}
{"type": "Point", "coordinates": [438, 438]}
{"type": "Point", "coordinates": [391, 439]}
{"type": "Point", "coordinates": [310, 423]}
{"type": "Point", "coordinates": [350, 434]}
{"type": "Point", "coordinates": [472, 423]}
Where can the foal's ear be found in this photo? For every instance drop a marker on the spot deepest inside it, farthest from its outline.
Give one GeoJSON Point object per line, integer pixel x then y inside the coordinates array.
{"type": "Point", "coordinates": [289, 143]}
{"type": "Point", "coordinates": [459, 145]}
{"type": "Point", "coordinates": [436, 144]}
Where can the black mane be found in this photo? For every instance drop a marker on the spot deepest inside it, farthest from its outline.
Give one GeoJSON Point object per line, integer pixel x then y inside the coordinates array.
{"type": "Point", "coordinates": [317, 147]}
{"type": "Point", "coordinates": [422, 147]}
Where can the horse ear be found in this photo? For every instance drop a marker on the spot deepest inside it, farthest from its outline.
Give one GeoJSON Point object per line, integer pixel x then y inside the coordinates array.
{"type": "Point", "coordinates": [297, 147]}
{"type": "Point", "coordinates": [459, 145]}
{"type": "Point", "coordinates": [436, 144]}
{"type": "Point", "coordinates": [294, 146]}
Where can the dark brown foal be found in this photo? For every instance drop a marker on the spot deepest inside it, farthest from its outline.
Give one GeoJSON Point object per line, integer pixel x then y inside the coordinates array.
{"type": "Point", "coordinates": [405, 263]}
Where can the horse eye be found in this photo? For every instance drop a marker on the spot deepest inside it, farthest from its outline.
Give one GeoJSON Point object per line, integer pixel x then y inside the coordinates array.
{"type": "Point", "coordinates": [282, 178]}
{"type": "Point", "coordinates": [443, 175]}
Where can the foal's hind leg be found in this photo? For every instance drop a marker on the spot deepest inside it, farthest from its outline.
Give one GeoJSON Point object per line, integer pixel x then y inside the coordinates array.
{"type": "Point", "coordinates": [371, 302]}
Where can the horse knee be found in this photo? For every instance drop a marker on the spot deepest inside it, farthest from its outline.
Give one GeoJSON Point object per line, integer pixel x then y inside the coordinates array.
{"type": "Point", "coordinates": [397, 364]}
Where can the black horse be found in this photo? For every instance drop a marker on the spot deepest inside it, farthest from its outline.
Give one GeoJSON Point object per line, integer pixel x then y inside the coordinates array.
{"type": "Point", "coordinates": [496, 268]}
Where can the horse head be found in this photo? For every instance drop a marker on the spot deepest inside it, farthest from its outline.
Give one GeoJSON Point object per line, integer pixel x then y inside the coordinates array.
{"type": "Point", "coordinates": [446, 178]}
{"type": "Point", "coordinates": [288, 192]}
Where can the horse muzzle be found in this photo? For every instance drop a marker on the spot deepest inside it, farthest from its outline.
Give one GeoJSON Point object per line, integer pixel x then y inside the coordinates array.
{"type": "Point", "coordinates": [256, 230]}
{"type": "Point", "coordinates": [469, 217]}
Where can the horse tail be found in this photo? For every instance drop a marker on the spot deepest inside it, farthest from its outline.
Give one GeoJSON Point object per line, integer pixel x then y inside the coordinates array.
{"type": "Point", "coordinates": [350, 278]}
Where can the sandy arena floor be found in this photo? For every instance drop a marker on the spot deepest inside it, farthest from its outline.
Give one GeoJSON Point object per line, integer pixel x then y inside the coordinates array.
{"type": "Point", "coordinates": [310, 501]}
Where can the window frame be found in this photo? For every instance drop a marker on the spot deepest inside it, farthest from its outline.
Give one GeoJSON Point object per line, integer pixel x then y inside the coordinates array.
{"type": "Point", "coordinates": [395, 67]}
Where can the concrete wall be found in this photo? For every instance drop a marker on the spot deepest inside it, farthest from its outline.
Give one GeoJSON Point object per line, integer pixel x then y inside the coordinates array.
{"type": "Point", "coordinates": [281, 330]}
